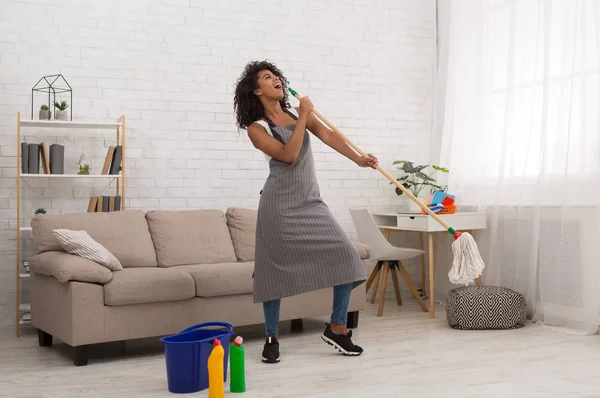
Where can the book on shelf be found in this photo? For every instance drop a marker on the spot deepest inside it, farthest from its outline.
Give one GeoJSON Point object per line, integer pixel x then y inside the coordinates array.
{"type": "Point", "coordinates": [92, 205]}
{"type": "Point", "coordinates": [52, 158]}
{"type": "Point", "coordinates": [108, 159]}
{"type": "Point", "coordinates": [45, 158]}
{"type": "Point", "coordinates": [104, 204]}
{"type": "Point", "coordinates": [33, 164]}
{"type": "Point", "coordinates": [115, 165]}
{"type": "Point", "coordinates": [57, 159]}
{"type": "Point", "coordinates": [24, 158]}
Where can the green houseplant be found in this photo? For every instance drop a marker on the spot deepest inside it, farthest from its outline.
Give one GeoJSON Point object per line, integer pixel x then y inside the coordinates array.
{"type": "Point", "coordinates": [45, 113]}
{"type": "Point", "coordinates": [40, 210]}
{"type": "Point", "coordinates": [418, 179]}
{"type": "Point", "coordinates": [61, 110]}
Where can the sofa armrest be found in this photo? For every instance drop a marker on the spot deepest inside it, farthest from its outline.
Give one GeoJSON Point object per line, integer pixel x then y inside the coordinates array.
{"type": "Point", "coordinates": [363, 250]}
{"type": "Point", "coordinates": [69, 267]}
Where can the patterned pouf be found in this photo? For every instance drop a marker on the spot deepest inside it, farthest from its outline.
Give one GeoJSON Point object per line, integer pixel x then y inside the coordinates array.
{"type": "Point", "coordinates": [485, 307]}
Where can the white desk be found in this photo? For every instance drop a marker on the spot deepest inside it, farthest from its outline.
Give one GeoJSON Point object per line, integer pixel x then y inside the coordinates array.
{"type": "Point", "coordinates": [422, 223]}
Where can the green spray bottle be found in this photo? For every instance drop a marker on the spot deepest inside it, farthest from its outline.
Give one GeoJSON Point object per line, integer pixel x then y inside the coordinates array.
{"type": "Point", "coordinates": [237, 368]}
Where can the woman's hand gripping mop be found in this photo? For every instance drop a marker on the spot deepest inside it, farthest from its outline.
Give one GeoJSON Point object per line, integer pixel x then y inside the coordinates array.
{"type": "Point", "coordinates": [467, 263]}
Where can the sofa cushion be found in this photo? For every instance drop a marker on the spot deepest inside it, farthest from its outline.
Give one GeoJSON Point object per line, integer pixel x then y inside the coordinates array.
{"type": "Point", "coordinates": [124, 233]}
{"type": "Point", "coordinates": [190, 237]}
{"type": "Point", "coordinates": [69, 267]}
{"type": "Point", "coordinates": [364, 251]}
{"type": "Point", "coordinates": [223, 279]}
{"type": "Point", "coordinates": [242, 227]}
{"type": "Point", "coordinates": [148, 285]}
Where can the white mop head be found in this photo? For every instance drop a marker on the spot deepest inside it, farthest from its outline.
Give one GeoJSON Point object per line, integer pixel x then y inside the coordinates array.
{"type": "Point", "coordinates": [467, 263]}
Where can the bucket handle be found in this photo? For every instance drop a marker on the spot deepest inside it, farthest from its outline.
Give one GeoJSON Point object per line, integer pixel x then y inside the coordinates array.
{"type": "Point", "coordinates": [203, 325]}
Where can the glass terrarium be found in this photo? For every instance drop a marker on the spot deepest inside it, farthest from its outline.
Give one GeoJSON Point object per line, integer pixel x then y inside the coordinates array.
{"type": "Point", "coordinates": [83, 165]}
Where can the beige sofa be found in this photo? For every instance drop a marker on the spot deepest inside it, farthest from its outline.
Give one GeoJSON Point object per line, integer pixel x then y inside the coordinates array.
{"type": "Point", "coordinates": [180, 268]}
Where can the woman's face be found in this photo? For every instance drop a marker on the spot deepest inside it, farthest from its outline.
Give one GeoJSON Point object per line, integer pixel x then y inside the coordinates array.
{"type": "Point", "coordinates": [269, 86]}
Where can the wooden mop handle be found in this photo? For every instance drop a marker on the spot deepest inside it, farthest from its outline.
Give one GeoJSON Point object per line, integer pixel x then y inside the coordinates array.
{"type": "Point", "coordinates": [385, 173]}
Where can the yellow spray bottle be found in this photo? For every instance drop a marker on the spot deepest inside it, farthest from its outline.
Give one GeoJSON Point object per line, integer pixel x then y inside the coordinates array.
{"type": "Point", "coordinates": [216, 378]}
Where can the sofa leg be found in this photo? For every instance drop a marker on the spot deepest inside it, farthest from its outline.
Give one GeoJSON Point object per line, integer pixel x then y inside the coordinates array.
{"type": "Point", "coordinates": [44, 339]}
{"type": "Point", "coordinates": [352, 320]}
{"type": "Point", "coordinates": [81, 355]}
{"type": "Point", "coordinates": [297, 325]}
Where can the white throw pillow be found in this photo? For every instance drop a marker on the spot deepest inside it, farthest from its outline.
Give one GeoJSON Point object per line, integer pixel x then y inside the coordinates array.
{"type": "Point", "coordinates": [81, 244]}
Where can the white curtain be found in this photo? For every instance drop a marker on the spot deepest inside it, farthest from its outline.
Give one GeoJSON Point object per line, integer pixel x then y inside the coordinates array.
{"type": "Point", "coordinates": [518, 99]}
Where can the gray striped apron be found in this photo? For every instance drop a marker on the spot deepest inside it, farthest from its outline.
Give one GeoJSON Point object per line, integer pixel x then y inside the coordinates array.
{"type": "Point", "coordinates": [300, 247]}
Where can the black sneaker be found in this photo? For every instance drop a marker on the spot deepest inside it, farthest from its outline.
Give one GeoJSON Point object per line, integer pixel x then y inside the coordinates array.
{"type": "Point", "coordinates": [342, 343]}
{"type": "Point", "coordinates": [270, 353]}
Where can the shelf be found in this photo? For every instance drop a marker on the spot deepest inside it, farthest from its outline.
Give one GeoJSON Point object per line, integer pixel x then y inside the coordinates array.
{"type": "Point", "coordinates": [70, 176]}
{"type": "Point", "coordinates": [25, 319]}
{"type": "Point", "coordinates": [70, 124]}
{"type": "Point", "coordinates": [33, 128]}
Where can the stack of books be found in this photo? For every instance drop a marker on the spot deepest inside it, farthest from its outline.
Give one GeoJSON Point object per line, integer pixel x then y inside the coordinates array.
{"type": "Point", "coordinates": [112, 163]}
{"type": "Point", "coordinates": [52, 159]}
{"type": "Point", "coordinates": [104, 204]}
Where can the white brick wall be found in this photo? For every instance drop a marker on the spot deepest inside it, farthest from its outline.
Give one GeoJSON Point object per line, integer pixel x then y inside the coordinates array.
{"type": "Point", "coordinates": [170, 67]}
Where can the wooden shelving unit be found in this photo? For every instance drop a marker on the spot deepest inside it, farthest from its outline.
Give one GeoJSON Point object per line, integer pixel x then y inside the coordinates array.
{"type": "Point", "coordinates": [22, 309]}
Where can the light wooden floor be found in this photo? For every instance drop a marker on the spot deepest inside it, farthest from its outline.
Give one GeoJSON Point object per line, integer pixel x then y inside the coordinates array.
{"type": "Point", "coordinates": [406, 354]}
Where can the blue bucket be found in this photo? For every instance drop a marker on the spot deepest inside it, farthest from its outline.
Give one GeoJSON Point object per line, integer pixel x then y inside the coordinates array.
{"type": "Point", "coordinates": [187, 353]}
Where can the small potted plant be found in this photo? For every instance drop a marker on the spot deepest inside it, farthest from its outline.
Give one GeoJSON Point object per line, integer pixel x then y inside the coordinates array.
{"type": "Point", "coordinates": [45, 113]}
{"type": "Point", "coordinates": [40, 210]}
{"type": "Point", "coordinates": [61, 110]}
{"type": "Point", "coordinates": [419, 180]}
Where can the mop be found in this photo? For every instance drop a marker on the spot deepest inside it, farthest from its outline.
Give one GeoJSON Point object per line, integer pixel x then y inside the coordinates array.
{"type": "Point", "coordinates": [467, 263]}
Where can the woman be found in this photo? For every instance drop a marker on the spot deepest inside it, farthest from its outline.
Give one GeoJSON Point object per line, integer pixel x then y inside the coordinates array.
{"type": "Point", "coordinates": [299, 245]}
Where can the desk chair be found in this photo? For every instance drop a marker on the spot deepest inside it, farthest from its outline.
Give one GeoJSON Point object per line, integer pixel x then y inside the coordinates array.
{"type": "Point", "coordinates": [389, 259]}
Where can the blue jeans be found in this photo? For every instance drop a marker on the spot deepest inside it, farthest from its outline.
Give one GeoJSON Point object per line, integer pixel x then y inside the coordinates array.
{"type": "Point", "coordinates": [339, 316]}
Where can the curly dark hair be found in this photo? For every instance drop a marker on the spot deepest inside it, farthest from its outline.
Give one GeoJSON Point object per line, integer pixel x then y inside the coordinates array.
{"type": "Point", "coordinates": [247, 106]}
